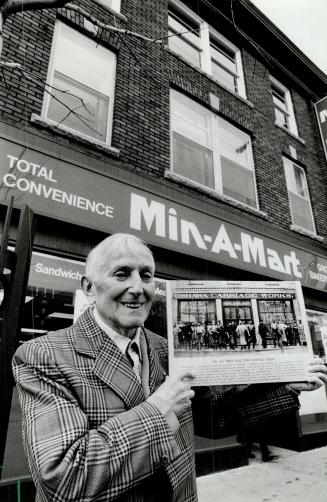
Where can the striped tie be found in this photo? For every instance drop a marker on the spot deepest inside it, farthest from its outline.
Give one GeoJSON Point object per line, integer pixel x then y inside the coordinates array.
{"type": "Point", "coordinates": [133, 355]}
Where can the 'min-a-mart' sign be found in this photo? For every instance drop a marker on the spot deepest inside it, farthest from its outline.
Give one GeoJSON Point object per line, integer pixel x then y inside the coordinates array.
{"type": "Point", "coordinates": [59, 189]}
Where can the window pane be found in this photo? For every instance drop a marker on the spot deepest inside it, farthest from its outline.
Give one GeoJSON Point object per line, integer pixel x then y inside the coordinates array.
{"type": "Point", "coordinates": [238, 182]}
{"type": "Point", "coordinates": [80, 58]}
{"type": "Point", "coordinates": [281, 118]}
{"type": "Point", "coordinates": [192, 160]}
{"type": "Point", "coordinates": [223, 76]}
{"type": "Point", "coordinates": [191, 120]}
{"type": "Point", "coordinates": [300, 181]}
{"type": "Point", "coordinates": [185, 28]}
{"type": "Point", "coordinates": [301, 212]}
{"type": "Point", "coordinates": [234, 144]}
{"type": "Point", "coordinates": [295, 177]}
{"type": "Point", "coordinates": [184, 38]}
{"type": "Point", "coordinates": [96, 103]}
{"type": "Point", "coordinates": [185, 49]}
{"type": "Point", "coordinates": [279, 97]}
{"type": "Point", "coordinates": [236, 164]}
{"type": "Point", "coordinates": [224, 56]}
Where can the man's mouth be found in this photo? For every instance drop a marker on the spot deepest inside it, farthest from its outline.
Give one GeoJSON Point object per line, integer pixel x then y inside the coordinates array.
{"type": "Point", "coordinates": [132, 305]}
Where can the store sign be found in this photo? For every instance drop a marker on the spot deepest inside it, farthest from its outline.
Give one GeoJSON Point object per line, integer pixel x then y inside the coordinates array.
{"type": "Point", "coordinates": [52, 272]}
{"type": "Point", "coordinates": [321, 111]}
{"type": "Point", "coordinates": [70, 193]}
{"type": "Point", "coordinates": [235, 295]}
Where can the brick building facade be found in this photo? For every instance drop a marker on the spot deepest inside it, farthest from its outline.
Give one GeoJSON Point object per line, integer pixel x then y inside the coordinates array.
{"type": "Point", "coordinates": [206, 142]}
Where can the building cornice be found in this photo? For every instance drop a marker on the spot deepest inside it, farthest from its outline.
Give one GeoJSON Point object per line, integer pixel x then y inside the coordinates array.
{"type": "Point", "coordinates": [283, 38]}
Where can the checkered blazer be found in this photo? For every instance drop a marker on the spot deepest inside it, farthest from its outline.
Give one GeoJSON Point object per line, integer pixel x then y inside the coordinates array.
{"type": "Point", "coordinates": [90, 436]}
{"type": "Point", "coordinates": [88, 433]}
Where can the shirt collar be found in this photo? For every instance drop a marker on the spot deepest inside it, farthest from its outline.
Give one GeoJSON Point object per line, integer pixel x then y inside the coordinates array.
{"type": "Point", "coordinates": [121, 341]}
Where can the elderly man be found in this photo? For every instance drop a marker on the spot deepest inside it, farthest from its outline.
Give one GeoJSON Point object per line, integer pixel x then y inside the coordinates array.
{"type": "Point", "coordinates": [101, 419]}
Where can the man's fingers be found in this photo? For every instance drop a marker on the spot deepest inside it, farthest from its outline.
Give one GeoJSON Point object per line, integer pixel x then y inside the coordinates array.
{"type": "Point", "coordinates": [191, 394]}
{"type": "Point", "coordinates": [321, 377]}
{"type": "Point", "coordinates": [316, 360]}
{"type": "Point", "coordinates": [317, 368]}
{"type": "Point", "coordinates": [186, 375]}
{"type": "Point", "coordinates": [187, 395]}
{"type": "Point", "coordinates": [182, 376]}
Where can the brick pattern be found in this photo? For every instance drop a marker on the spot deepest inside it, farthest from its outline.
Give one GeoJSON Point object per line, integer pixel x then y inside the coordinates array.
{"type": "Point", "coordinates": [145, 73]}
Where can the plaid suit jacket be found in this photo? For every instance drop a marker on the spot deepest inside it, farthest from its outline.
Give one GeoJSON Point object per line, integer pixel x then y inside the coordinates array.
{"type": "Point", "coordinates": [88, 433]}
{"type": "Point", "coordinates": [90, 436]}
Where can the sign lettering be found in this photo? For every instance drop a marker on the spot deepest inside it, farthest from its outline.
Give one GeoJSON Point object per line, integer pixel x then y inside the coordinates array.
{"type": "Point", "coordinates": [66, 192]}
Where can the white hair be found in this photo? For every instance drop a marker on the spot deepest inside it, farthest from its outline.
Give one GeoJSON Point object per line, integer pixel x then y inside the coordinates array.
{"type": "Point", "coordinates": [112, 247]}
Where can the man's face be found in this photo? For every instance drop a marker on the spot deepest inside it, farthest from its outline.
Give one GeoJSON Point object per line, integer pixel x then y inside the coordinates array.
{"type": "Point", "coordinates": [123, 290]}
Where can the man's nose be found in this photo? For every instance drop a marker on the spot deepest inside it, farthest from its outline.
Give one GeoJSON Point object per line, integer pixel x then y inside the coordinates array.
{"type": "Point", "coordinates": [136, 284]}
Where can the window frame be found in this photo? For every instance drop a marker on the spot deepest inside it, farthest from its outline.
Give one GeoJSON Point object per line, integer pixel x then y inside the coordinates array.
{"type": "Point", "coordinates": [180, 18]}
{"type": "Point", "coordinates": [50, 75]}
{"type": "Point", "coordinates": [288, 110]}
{"type": "Point", "coordinates": [215, 126]}
{"type": "Point", "coordinates": [206, 34]}
{"type": "Point", "coordinates": [291, 163]}
{"type": "Point", "coordinates": [238, 74]}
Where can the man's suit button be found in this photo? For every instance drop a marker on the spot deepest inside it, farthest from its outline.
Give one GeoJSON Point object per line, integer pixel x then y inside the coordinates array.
{"type": "Point", "coordinates": [164, 461]}
{"type": "Point", "coordinates": [157, 465]}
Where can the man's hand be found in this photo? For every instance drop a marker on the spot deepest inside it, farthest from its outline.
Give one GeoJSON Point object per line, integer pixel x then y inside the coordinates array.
{"type": "Point", "coordinates": [176, 391]}
{"type": "Point", "coordinates": [317, 376]}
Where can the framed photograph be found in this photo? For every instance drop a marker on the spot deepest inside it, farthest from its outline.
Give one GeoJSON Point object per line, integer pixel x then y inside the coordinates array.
{"type": "Point", "coordinates": [229, 333]}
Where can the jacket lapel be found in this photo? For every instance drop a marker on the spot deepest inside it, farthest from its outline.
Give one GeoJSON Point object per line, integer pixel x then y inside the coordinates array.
{"type": "Point", "coordinates": [157, 374]}
{"type": "Point", "coordinates": [111, 366]}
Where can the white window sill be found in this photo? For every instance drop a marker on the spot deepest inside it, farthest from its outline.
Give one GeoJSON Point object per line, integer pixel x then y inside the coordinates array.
{"type": "Point", "coordinates": [118, 15]}
{"type": "Point", "coordinates": [233, 93]}
{"type": "Point", "coordinates": [36, 119]}
{"type": "Point", "coordinates": [290, 133]}
{"type": "Point", "coordinates": [181, 180]}
{"type": "Point", "coordinates": [307, 233]}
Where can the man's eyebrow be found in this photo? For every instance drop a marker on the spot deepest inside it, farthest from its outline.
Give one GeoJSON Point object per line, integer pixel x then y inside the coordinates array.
{"type": "Point", "coordinates": [147, 267]}
{"type": "Point", "coordinates": [121, 267]}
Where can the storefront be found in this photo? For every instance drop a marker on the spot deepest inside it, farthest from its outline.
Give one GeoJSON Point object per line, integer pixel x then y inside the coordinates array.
{"type": "Point", "coordinates": [189, 238]}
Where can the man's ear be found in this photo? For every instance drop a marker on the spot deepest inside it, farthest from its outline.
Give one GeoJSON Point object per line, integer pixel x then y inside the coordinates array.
{"type": "Point", "coordinates": [87, 287]}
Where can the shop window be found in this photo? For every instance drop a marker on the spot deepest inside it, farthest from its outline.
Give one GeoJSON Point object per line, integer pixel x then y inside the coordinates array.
{"type": "Point", "coordinates": [210, 151]}
{"type": "Point", "coordinates": [196, 311]}
{"type": "Point", "coordinates": [205, 48]}
{"type": "Point", "coordinates": [284, 112]}
{"type": "Point", "coordinates": [276, 310]}
{"type": "Point", "coordinates": [298, 195]}
{"type": "Point", "coordinates": [237, 310]}
{"type": "Point", "coordinates": [81, 78]}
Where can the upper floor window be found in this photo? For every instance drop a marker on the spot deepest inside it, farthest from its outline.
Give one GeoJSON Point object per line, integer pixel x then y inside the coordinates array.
{"type": "Point", "coordinates": [224, 64]}
{"type": "Point", "coordinates": [284, 112]}
{"type": "Point", "coordinates": [204, 47]}
{"type": "Point", "coordinates": [184, 37]}
{"type": "Point", "coordinates": [210, 151]}
{"type": "Point", "coordinates": [81, 77]}
{"type": "Point", "coordinates": [298, 195]}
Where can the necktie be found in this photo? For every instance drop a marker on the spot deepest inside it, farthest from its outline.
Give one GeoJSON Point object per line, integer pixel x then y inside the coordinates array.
{"type": "Point", "coordinates": [132, 353]}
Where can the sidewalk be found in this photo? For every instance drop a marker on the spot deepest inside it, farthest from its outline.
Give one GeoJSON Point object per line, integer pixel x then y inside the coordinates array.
{"type": "Point", "coordinates": [294, 477]}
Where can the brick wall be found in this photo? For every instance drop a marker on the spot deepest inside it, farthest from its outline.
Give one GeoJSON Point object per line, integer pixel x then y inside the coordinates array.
{"type": "Point", "coordinates": [145, 73]}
